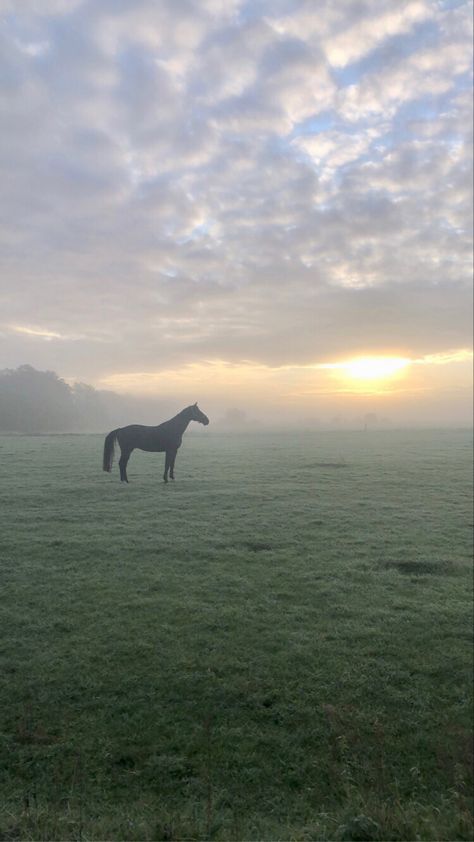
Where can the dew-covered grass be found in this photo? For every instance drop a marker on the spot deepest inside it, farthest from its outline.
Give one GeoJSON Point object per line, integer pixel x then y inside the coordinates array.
{"type": "Point", "coordinates": [276, 646]}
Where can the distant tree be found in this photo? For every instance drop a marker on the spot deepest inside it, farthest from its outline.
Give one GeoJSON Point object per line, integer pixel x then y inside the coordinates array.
{"type": "Point", "coordinates": [235, 417]}
{"type": "Point", "coordinates": [34, 401]}
{"type": "Point", "coordinates": [370, 418]}
{"type": "Point", "coordinates": [90, 410]}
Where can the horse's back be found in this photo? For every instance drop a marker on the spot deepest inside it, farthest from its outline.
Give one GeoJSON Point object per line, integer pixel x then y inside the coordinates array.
{"type": "Point", "coordinates": [144, 438]}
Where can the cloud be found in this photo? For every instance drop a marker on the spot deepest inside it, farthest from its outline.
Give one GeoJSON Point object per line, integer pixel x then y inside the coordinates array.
{"type": "Point", "coordinates": [233, 181]}
{"type": "Point", "coordinates": [31, 331]}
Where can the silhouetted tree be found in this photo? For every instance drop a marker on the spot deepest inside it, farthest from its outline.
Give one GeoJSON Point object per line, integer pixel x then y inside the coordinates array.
{"type": "Point", "coordinates": [34, 401]}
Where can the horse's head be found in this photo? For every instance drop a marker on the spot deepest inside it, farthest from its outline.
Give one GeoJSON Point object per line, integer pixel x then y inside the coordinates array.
{"type": "Point", "coordinates": [197, 415]}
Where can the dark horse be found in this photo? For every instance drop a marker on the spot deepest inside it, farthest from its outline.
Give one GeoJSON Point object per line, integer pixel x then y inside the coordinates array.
{"type": "Point", "coordinates": [165, 437]}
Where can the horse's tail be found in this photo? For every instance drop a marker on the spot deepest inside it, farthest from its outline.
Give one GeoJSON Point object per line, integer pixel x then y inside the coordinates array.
{"type": "Point", "coordinates": [109, 446]}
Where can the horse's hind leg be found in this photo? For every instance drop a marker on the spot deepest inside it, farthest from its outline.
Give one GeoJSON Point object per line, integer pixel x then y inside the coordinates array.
{"type": "Point", "coordinates": [123, 465]}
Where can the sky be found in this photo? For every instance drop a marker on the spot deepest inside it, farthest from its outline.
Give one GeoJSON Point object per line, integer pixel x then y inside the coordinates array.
{"type": "Point", "coordinates": [260, 204]}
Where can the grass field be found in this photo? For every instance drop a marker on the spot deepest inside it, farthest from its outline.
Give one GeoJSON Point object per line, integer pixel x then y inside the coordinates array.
{"type": "Point", "coordinates": [275, 647]}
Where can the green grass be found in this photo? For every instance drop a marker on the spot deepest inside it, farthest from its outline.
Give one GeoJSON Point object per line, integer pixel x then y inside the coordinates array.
{"type": "Point", "coordinates": [275, 647]}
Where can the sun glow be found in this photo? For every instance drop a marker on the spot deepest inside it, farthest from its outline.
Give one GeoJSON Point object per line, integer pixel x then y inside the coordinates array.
{"type": "Point", "coordinates": [369, 368]}
{"type": "Point", "coordinates": [374, 368]}
{"type": "Point", "coordinates": [357, 376]}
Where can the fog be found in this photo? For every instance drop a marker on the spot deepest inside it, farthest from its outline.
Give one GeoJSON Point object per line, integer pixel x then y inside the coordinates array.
{"type": "Point", "coordinates": [33, 401]}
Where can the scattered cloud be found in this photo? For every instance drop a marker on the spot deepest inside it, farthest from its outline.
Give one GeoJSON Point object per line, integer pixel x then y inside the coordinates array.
{"type": "Point", "coordinates": [274, 182]}
{"type": "Point", "coordinates": [31, 331]}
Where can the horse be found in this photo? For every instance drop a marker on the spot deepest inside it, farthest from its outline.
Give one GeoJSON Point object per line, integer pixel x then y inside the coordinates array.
{"type": "Point", "coordinates": [166, 437]}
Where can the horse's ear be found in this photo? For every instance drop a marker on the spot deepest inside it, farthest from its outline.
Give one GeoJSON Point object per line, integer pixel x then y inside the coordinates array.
{"type": "Point", "coordinates": [196, 403]}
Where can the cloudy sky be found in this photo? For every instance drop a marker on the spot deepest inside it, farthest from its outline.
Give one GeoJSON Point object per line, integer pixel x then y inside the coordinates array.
{"type": "Point", "coordinates": [254, 203]}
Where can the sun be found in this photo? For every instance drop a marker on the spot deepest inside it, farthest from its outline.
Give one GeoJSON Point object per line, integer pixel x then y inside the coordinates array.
{"type": "Point", "coordinates": [374, 368]}
{"type": "Point", "coordinates": [369, 369]}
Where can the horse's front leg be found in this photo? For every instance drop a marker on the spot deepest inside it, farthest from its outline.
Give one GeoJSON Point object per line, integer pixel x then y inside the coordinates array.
{"type": "Point", "coordinates": [172, 461]}
{"type": "Point", "coordinates": [167, 465]}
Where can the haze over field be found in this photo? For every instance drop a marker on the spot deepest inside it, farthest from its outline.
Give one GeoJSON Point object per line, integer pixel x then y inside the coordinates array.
{"type": "Point", "coordinates": [260, 205]}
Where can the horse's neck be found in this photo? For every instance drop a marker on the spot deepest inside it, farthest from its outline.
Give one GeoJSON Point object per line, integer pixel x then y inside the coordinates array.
{"type": "Point", "coordinates": [180, 422]}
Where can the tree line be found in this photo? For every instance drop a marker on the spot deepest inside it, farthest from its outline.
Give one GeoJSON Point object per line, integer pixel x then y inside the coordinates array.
{"type": "Point", "coordinates": [34, 401]}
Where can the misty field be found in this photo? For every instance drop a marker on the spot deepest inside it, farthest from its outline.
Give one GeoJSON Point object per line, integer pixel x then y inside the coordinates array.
{"type": "Point", "coordinates": [276, 646]}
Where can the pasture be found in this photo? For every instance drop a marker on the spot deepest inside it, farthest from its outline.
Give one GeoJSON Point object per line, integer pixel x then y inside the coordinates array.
{"type": "Point", "coordinates": [276, 646]}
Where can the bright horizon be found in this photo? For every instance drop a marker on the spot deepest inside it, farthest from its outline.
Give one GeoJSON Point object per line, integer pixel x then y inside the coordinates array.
{"type": "Point", "coordinates": [243, 203]}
